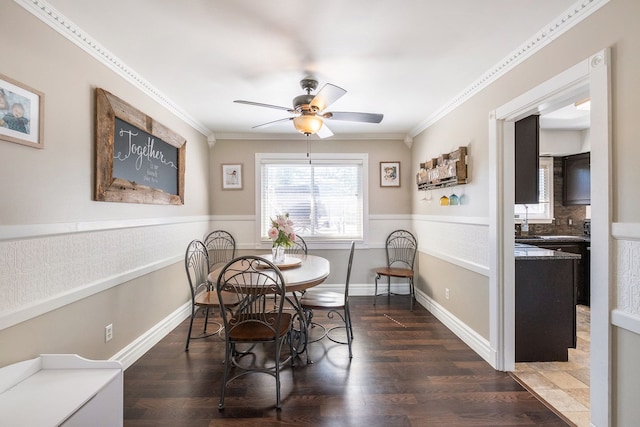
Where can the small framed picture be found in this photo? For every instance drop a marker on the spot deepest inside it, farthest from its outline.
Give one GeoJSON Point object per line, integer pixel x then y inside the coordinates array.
{"type": "Point", "coordinates": [232, 177]}
{"type": "Point", "coordinates": [389, 174]}
{"type": "Point", "coordinates": [21, 113]}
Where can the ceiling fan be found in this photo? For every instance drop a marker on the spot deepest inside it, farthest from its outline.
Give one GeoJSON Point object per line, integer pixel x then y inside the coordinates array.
{"type": "Point", "coordinates": [310, 112]}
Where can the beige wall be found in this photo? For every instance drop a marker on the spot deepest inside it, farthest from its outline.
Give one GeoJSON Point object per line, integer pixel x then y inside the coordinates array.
{"type": "Point", "coordinates": [381, 200]}
{"type": "Point", "coordinates": [612, 26]}
{"type": "Point", "coordinates": [463, 127]}
{"type": "Point", "coordinates": [131, 277]}
{"type": "Point", "coordinates": [132, 308]}
{"type": "Point", "coordinates": [468, 291]}
{"type": "Point", "coordinates": [626, 371]}
{"type": "Point", "coordinates": [466, 126]}
{"type": "Point", "coordinates": [56, 184]}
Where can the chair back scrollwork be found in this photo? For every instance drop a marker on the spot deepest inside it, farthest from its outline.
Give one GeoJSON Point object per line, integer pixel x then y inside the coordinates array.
{"type": "Point", "coordinates": [401, 248]}
{"type": "Point", "coordinates": [221, 247]}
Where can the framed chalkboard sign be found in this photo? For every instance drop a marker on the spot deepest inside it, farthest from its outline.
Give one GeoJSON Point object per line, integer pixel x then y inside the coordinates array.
{"type": "Point", "coordinates": [138, 160]}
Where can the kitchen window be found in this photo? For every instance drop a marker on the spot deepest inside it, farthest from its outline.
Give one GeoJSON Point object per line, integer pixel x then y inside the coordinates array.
{"type": "Point", "coordinates": [325, 197]}
{"type": "Point", "coordinates": [542, 212]}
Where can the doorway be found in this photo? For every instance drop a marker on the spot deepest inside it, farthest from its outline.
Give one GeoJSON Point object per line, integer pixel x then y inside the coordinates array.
{"type": "Point", "coordinates": [594, 74]}
{"type": "Point", "coordinates": [563, 132]}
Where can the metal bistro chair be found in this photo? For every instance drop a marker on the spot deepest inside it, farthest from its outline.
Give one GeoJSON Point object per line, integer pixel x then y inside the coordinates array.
{"type": "Point", "coordinates": [196, 263]}
{"type": "Point", "coordinates": [336, 303]}
{"type": "Point", "coordinates": [252, 279]}
{"type": "Point", "coordinates": [299, 247]}
{"type": "Point", "coordinates": [401, 248]}
{"type": "Point", "coordinates": [221, 247]}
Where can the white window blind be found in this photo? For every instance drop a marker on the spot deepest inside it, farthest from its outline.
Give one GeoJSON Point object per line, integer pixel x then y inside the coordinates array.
{"type": "Point", "coordinates": [543, 210]}
{"type": "Point", "coordinates": [324, 198]}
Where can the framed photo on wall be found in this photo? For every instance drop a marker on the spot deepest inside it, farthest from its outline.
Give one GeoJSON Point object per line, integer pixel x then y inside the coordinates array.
{"type": "Point", "coordinates": [21, 113]}
{"type": "Point", "coordinates": [232, 177]}
{"type": "Point", "coordinates": [389, 174]}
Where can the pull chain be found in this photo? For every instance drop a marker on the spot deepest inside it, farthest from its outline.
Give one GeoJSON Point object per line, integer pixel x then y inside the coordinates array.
{"type": "Point", "coordinates": [308, 149]}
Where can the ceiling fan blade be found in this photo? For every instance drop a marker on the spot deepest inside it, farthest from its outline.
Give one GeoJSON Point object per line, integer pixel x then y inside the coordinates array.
{"type": "Point", "coordinates": [259, 104]}
{"type": "Point", "coordinates": [264, 125]}
{"type": "Point", "coordinates": [324, 131]}
{"type": "Point", "coordinates": [354, 117]}
{"type": "Point", "coordinates": [326, 96]}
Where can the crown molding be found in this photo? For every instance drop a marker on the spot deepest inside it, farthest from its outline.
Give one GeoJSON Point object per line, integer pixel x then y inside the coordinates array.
{"type": "Point", "coordinates": [567, 20]}
{"type": "Point", "coordinates": [56, 20]}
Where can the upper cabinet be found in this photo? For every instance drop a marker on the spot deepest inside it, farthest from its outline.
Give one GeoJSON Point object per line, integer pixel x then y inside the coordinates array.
{"type": "Point", "coordinates": [527, 147]}
{"type": "Point", "coordinates": [577, 179]}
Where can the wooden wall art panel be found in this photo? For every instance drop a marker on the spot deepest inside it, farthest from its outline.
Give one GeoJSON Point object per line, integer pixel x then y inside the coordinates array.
{"type": "Point", "coordinates": [138, 160]}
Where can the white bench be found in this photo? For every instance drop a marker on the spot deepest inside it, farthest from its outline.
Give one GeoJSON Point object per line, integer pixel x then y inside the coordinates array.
{"type": "Point", "coordinates": [61, 390]}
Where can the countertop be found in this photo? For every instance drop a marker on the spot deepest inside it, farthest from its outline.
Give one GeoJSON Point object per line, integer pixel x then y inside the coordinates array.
{"type": "Point", "coordinates": [529, 252]}
{"type": "Point", "coordinates": [552, 239]}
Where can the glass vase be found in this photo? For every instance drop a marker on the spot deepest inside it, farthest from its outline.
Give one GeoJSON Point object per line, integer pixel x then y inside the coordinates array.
{"type": "Point", "coordinates": [277, 253]}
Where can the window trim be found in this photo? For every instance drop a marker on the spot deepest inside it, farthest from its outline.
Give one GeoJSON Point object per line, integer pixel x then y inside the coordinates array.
{"type": "Point", "coordinates": [546, 162]}
{"type": "Point", "coordinates": [297, 158]}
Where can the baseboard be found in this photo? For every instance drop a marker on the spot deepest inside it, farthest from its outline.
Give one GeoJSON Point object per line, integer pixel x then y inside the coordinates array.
{"type": "Point", "coordinates": [470, 337]}
{"type": "Point", "coordinates": [136, 349]}
{"type": "Point", "coordinates": [363, 289]}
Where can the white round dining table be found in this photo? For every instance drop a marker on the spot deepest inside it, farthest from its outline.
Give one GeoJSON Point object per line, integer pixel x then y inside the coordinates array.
{"type": "Point", "coordinates": [311, 271]}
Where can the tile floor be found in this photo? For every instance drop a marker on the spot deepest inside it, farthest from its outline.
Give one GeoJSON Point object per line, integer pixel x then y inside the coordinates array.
{"type": "Point", "coordinates": [564, 385]}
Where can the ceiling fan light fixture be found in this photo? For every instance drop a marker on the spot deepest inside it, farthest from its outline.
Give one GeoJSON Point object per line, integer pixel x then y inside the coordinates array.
{"type": "Point", "coordinates": [309, 110]}
{"type": "Point", "coordinates": [307, 124]}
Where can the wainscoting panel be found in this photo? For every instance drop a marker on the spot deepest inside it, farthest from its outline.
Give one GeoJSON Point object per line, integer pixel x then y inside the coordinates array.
{"type": "Point", "coordinates": [463, 241]}
{"type": "Point", "coordinates": [627, 276]}
{"type": "Point", "coordinates": [46, 269]}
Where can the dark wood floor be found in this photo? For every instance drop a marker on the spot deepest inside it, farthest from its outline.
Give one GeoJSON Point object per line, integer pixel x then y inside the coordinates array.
{"type": "Point", "coordinates": [407, 370]}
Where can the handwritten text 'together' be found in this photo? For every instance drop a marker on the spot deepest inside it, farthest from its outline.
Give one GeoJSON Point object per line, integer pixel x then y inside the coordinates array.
{"type": "Point", "coordinates": [142, 151]}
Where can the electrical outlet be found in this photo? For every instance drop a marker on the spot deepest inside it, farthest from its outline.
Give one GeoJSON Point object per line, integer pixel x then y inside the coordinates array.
{"type": "Point", "coordinates": [108, 333]}
{"type": "Point", "coordinates": [446, 293]}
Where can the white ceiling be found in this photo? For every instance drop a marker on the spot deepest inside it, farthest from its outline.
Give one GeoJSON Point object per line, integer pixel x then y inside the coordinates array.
{"type": "Point", "coordinates": [566, 118]}
{"type": "Point", "coordinates": [407, 59]}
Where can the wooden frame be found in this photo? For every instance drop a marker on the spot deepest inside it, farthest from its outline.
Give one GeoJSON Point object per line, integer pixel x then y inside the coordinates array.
{"type": "Point", "coordinates": [156, 153]}
{"type": "Point", "coordinates": [232, 176]}
{"type": "Point", "coordinates": [17, 99]}
{"type": "Point", "coordinates": [389, 174]}
{"type": "Point", "coordinates": [447, 170]}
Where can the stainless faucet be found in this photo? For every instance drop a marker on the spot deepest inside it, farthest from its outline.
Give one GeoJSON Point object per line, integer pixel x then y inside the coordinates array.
{"type": "Point", "coordinates": [524, 229]}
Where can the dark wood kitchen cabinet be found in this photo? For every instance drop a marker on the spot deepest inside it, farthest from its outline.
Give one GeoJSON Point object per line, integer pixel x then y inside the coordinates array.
{"type": "Point", "coordinates": [582, 267]}
{"type": "Point", "coordinates": [527, 149]}
{"type": "Point", "coordinates": [545, 317]}
{"type": "Point", "coordinates": [576, 171]}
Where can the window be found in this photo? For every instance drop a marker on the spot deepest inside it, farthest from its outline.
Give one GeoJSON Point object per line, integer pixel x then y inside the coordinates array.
{"type": "Point", "coordinates": [542, 212]}
{"type": "Point", "coordinates": [325, 198]}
